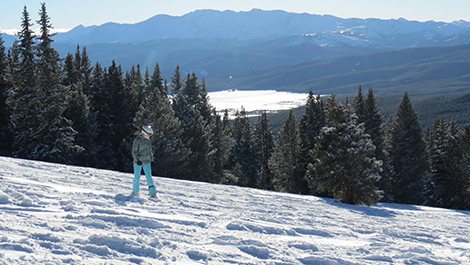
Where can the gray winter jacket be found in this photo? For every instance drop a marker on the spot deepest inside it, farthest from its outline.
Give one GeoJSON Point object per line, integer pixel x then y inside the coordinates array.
{"type": "Point", "coordinates": [142, 150]}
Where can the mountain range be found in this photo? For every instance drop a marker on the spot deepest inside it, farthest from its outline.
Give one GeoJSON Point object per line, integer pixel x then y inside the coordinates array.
{"type": "Point", "coordinates": [287, 51]}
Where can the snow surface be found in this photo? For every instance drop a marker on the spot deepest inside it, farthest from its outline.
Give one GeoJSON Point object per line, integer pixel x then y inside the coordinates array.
{"type": "Point", "coordinates": [58, 214]}
{"type": "Point", "coordinates": [255, 100]}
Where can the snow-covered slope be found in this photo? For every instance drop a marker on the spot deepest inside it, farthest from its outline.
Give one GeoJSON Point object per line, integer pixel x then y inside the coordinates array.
{"type": "Point", "coordinates": [57, 214]}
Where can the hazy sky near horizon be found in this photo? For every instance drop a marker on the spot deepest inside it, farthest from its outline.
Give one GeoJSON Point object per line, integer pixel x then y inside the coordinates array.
{"type": "Point", "coordinates": [66, 14]}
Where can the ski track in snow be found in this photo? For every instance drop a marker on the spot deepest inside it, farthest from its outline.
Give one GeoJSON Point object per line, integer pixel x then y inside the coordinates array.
{"type": "Point", "coordinates": [57, 214]}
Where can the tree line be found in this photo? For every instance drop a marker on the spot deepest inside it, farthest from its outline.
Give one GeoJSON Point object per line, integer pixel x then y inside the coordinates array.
{"type": "Point", "coordinates": [68, 111]}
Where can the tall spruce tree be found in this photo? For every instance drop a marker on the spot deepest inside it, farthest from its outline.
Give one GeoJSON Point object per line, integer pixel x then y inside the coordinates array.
{"type": "Point", "coordinates": [407, 153]}
{"type": "Point", "coordinates": [343, 164]}
{"type": "Point", "coordinates": [311, 123]}
{"type": "Point", "coordinates": [263, 147]}
{"type": "Point", "coordinates": [79, 111]}
{"type": "Point", "coordinates": [373, 126]}
{"type": "Point", "coordinates": [27, 65]}
{"type": "Point", "coordinates": [222, 143]}
{"type": "Point", "coordinates": [360, 106]}
{"type": "Point", "coordinates": [107, 87]}
{"type": "Point", "coordinates": [285, 157]}
{"type": "Point", "coordinates": [176, 81]}
{"type": "Point", "coordinates": [196, 134]}
{"type": "Point", "coordinates": [86, 70]}
{"type": "Point", "coordinates": [52, 135]}
{"type": "Point", "coordinates": [119, 125]}
{"type": "Point", "coordinates": [41, 130]}
{"type": "Point", "coordinates": [449, 172]}
{"type": "Point", "coordinates": [243, 160]}
{"type": "Point", "coordinates": [196, 138]}
{"type": "Point", "coordinates": [22, 101]}
{"type": "Point", "coordinates": [6, 130]}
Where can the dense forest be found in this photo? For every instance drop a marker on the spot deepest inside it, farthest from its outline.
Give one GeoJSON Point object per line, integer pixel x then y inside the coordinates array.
{"type": "Point", "coordinates": [66, 110]}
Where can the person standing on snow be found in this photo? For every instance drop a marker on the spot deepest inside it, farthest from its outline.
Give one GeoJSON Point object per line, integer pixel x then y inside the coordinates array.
{"type": "Point", "coordinates": [143, 156]}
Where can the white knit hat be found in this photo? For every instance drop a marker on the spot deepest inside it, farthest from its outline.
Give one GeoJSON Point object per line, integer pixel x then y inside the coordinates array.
{"type": "Point", "coordinates": [147, 130]}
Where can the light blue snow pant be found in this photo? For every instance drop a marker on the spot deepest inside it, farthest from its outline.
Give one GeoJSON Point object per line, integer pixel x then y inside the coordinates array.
{"type": "Point", "coordinates": [148, 174]}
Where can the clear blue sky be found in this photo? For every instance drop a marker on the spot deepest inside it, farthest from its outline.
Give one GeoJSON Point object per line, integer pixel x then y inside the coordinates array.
{"type": "Point", "coordinates": [66, 14]}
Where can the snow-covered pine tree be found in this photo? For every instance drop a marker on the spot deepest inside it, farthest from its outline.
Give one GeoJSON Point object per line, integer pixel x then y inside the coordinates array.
{"type": "Point", "coordinates": [449, 172]}
{"type": "Point", "coordinates": [407, 155]}
{"type": "Point", "coordinates": [22, 101]}
{"type": "Point", "coordinates": [6, 132]}
{"type": "Point", "coordinates": [27, 65]}
{"type": "Point", "coordinates": [196, 134]}
{"type": "Point", "coordinates": [373, 126]}
{"type": "Point", "coordinates": [285, 157]}
{"type": "Point", "coordinates": [156, 110]}
{"type": "Point", "coordinates": [311, 123]}
{"type": "Point", "coordinates": [196, 137]}
{"type": "Point", "coordinates": [50, 135]}
{"type": "Point", "coordinates": [263, 147]}
{"type": "Point", "coordinates": [243, 160]}
{"type": "Point", "coordinates": [344, 165]}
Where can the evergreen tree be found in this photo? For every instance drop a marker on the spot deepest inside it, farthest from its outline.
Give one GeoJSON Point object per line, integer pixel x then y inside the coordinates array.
{"type": "Point", "coordinates": [84, 122]}
{"type": "Point", "coordinates": [285, 157]}
{"type": "Point", "coordinates": [373, 123]}
{"type": "Point", "coordinates": [86, 70]}
{"type": "Point", "coordinates": [156, 80]}
{"type": "Point", "coordinates": [243, 160]}
{"type": "Point", "coordinates": [22, 101]}
{"type": "Point", "coordinates": [71, 74]}
{"type": "Point", "coordinates": [196, 137]}
{"type": "Point", "coordinates": [99, 110]}
{"type": "Point", "coordinates": [114, 130]}
{"type": "Point", "coordinates": [176, 81]}
{"type": "Point", "coordinates": [263, 148]}
{"type": "Point", "coordinates": [203, 104]}
{"type": "Point", "coordinates": [6, 132]}
{"type": "Point", "coordinates": [136, 87]}
{"type": "Point", "coordinates": [41, 130]}
{"type": "Point", "coordinates": [311, 123]}
{"type": "Point", "coordinates": [449, 172]}
{"type": "Point", "coordinates": [197, 132]}
{"type": "Point", "coordinates": [373, 126]}
{"type": "Point", "coordinates": [52, 135]}
{"type": "Point", "coordinates": [342, 154]}
{"type": "Point", "coordinates": [360, 106]}
{"type": "Point", "coordinates": [156, 110]}
{"type": "Point", "coordinates": [119, 127]}
{"type": "Point", "coordinates": [79, 111]}
{"type": "Point", "coordinates": [27, 66]}
{"type": "Point", "coordinates": [466, 143]}
{"type": "Point", "coordinates": [407, 154]}
{"type": "Point", "coordinates": [222, 143]}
